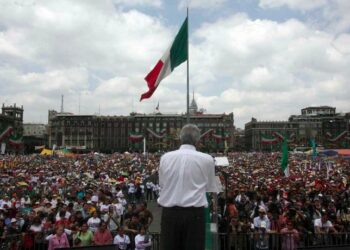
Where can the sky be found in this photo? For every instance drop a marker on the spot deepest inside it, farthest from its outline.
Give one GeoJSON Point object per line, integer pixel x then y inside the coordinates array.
{"type": "Point", "coordinates": [265, 59]}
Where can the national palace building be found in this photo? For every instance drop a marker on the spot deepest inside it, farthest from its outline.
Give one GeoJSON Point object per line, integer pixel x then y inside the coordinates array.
{"type": "Point", "coordinates": [127, 133]}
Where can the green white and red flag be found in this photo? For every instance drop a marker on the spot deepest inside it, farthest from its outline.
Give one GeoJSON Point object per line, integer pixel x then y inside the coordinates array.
{"type": "Point", "coordinates": [16, 140]}
{"type": "Point", "coordinates": [135, 137]}
{"type": "Point", "coordinates": [176, 54]}
{"type": "Point", "coordinates": [284, 159]}
{"type": "Point", "coordinates": [5, 133]}
{"type": "Point", "coordinates": [268, 140]}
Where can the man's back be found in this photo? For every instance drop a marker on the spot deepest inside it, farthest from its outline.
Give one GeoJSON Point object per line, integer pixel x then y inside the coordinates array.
{"type": "Point", "coordinates": [185, 175]}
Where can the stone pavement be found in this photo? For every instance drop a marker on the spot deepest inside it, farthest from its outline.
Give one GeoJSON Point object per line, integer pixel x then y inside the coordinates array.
{"type": "Point", "coordinates": [157, 212]}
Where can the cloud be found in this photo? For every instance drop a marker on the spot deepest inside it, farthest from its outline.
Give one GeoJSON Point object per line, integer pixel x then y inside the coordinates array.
{"type": "Point", "coordinates": [64, 34]}
{"type": "Point", "coordinates": [75, 47]}
{"type": "Point", "coordinates": [270, 70]}
{"type": "Point", "coordinates": [153, 3]}
{"type": "Point", "coordinates": [331, 15]}
{"type": "Point", "coordinates": [200, 4]}
{"type": "Point", "coordinates": [342, 44]}
{"type": "Point", "coordinates": [293, 4]}
{"type": "Point", "coordinates": [95, 50]}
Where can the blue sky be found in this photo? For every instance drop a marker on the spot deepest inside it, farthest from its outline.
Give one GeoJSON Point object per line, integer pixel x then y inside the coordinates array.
{"type": "Point", "coordinates": [256, 58]}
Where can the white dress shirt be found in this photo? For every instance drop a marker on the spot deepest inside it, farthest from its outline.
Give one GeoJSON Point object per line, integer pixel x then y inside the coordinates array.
{"type": "Point", "coordinates": [185, 175]}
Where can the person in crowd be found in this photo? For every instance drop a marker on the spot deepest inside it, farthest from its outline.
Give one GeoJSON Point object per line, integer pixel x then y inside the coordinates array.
{"type": "Point", "coordinates": [262, 218]}
{"type": "Point", "coordinates": [146, 216]}
{"type": "Point", "coordinates": [323, 224]}
{"type": "Point", "coordinates": [290, 237]}
{"type": "Point", "coordinates": [149, 190]}
{"type": "Point", "coordinates": [122, 240]}
{"type": "Point", "coordinates": [103, 236]}
{"type": "Point", "coordinates": [112, 219]}
{"type": "Point", "coordinates": [142, 240]}
{"type": "Point", "coordinates": [59, 240]}
{"type": "Point", "coordinates": [84, 237]}
{"type": "Point", "coordinates": [94, 222]}
{"type": "Point", "coordinates": [132, 227]}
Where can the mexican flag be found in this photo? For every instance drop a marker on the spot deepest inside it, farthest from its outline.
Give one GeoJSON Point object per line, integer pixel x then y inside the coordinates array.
{"type": "Point", "coordinates": [268, 140]}
{"type": "Point", "coordinates": [16, 140]}
{"type": "Point", "coordinates": [284, 161]}
{"type": "Point", "coordinates": [176, 54]}
{"type": "Point", "coordinates": [4, 133]}
{"type": "Point", "coordinates": [314, 150]}
{"type": "Point", "coordinates": [135, 137]}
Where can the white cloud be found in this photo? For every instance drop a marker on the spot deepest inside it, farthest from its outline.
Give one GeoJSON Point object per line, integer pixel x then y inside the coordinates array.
{"type": "Point", "coordinates": [61, 47]}
{"type": "Point", "coordinates": [254, 67]}
{"type": "Point", "coordinates": [200, 4]}
{"type": "Point", "coordinates": [293, 4]}
{"type": "Point", "coordinates": [342, 44]}
{"type": "Point", "coordinates": [154, 3]}
{"type": "Point", "coordinates": [336, 15]}
{"type": "Point", "coordinates": [332, 15]}
{"type": "Point", "coordinates": [270, 69]}
{"type": "Point", "coordinates": [62, 34]}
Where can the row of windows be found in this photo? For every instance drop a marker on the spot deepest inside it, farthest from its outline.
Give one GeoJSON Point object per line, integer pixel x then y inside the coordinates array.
{"type": "Point", "coordinates": [150, 121]}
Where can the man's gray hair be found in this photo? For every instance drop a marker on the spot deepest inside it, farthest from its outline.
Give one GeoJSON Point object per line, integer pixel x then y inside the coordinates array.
{"type": "Point", "coordinates": [190, 134]}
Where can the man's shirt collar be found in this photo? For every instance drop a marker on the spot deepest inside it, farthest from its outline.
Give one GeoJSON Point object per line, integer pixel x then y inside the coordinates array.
{"type": "Point", "coordinates": [188, 146]}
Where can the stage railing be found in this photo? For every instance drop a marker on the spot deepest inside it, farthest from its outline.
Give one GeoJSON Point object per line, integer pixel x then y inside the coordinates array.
{"type": "Point", "coordinates": [36, 241]}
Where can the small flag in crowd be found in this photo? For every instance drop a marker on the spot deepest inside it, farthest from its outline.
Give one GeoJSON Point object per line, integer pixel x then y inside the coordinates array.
{"type": "Point", "coordinates": [173, 57]}
{"type": "Point", "coordinates": [284, 161]}
{"type": "Point", "coordinates": [314, 151]}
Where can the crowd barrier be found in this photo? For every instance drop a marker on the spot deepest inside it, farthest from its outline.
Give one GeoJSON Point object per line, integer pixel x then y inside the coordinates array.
{"type": "Point", "coordinates": [250, 241]}
{"type": "Point", "coordinates": [36, 241]}
{"type": "Point", "coordinates": [278, 241]}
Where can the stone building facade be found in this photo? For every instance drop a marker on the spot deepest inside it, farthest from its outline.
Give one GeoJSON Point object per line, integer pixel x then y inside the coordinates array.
{"type": "Point", "coordinates": [11, 128]}
{"type": "Point", "coordinates": [127, 133]}
{"type": "Point", "coordinates": [328, 128]}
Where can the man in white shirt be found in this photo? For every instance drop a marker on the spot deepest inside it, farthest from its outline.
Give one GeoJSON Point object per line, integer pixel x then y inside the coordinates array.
{"type": "Point", "coordinates": [5, 202]}
{"type": "Point", "coordinates": [323, 225]}
{"type": "Point", "coordinates": [262, 219]}
{"type": "Point", "coordinates": [185, 175]}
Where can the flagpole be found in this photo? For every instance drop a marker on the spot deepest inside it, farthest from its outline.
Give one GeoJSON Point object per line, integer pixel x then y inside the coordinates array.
{"type": "Point", "coordinates": [188, 78]}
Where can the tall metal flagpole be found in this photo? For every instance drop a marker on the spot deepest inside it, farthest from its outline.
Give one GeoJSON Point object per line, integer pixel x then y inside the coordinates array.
{"type": "Point", "coordinates": [188, 78]}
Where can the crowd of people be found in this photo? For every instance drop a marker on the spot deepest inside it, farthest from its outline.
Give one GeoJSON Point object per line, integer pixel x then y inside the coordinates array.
{"type": "Point", "coordinates": [51, 202]}
{"type": "Point", "coordinates": [48, 202]}
{"type": "Point", "coordinates": [312, 205]}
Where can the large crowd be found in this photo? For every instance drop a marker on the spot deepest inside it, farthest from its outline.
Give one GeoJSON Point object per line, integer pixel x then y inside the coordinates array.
{"type": "Point", "coordinates": [312, 205]}
{"type": "Point", "coordinates": [51, 202]}
{"type": "Point", "coordinates": [47, 202]}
